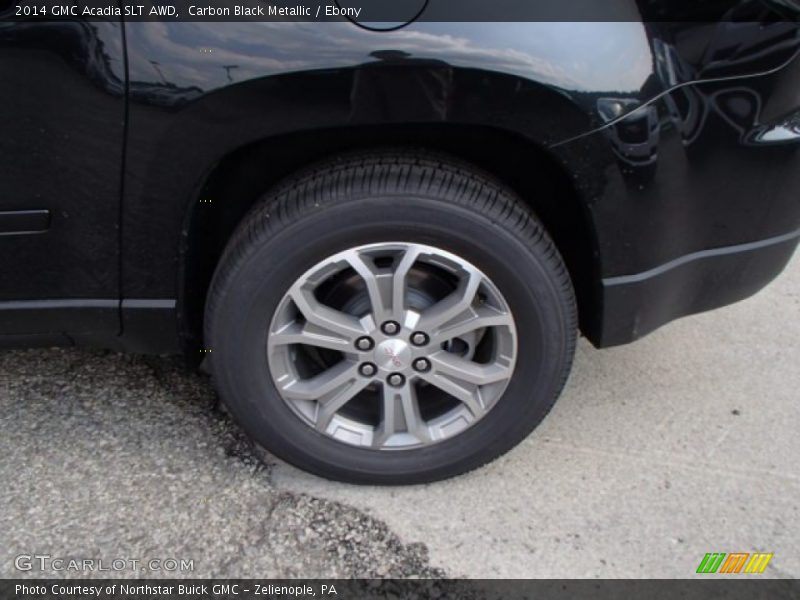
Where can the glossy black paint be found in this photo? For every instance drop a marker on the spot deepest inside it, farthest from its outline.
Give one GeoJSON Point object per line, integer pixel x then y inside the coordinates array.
{"type": "Point", "coordinates": [692, 171]}
{"type": "Point", "coordinates": [641, 144]}
{"type": "Point", "coordinates": [61, 139]}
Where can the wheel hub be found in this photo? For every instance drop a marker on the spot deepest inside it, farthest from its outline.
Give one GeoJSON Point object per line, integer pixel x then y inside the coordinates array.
{"type": "Point", "coordinates": [393, 355]}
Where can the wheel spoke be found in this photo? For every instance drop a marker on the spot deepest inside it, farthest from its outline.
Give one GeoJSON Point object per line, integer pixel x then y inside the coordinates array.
{"type": "Point", "coordinates": [388, 426]}
{"type": "Point", "coordinates": [378, 285]}
{"type": "Point", "coordinates": [386, 289]}
{"type": "Point", "coordinates": [405, 400]}
{"type": "Point", "coordinates": [310, 335]}
{"type": "Point", "coordinates": [466, 393]}
{"type": "Point", "coordinates": [325, 317]}
{"type": "Point", "coordinates": [335, 401]}
{"type": "Point", "coordinates": [453, 305]}
{"type": "Point", "coordinates": [480, 318]}
{"type": "Point", "coordinates": [400, 281]}
{"type": "Point", "coordinates": [461, 369]}
{"type": "Point", "coordinates": [317, 387]}
{"type": "Point", "coordinates": [415, 424]}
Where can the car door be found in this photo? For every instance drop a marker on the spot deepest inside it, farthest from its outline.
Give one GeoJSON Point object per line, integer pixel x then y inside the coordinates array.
{"type": "Point", "coordinates": [62, 119]}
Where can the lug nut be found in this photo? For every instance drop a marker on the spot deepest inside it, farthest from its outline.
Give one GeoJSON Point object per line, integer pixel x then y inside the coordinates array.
{"type": "Point", "coordinates": [396, 379]}
{"type": "Point", "coordinates": [364, 343]}
{"type": "Point", "coordinates": [390, 328]}
{"type": "Point", "coordinates": [419, 339]}
{"type": "Point", "coordinates": [368, 369]}
{"type": "Point", "coordinates": [422, 365]}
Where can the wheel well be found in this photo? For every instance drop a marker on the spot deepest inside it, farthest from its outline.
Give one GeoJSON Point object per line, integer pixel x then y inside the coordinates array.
{"type": "Point", "coordinates": [237, 181]}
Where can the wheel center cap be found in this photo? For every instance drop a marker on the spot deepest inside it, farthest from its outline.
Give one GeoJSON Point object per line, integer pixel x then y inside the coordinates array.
{"type": "Point", "coordinates": [393, 355]}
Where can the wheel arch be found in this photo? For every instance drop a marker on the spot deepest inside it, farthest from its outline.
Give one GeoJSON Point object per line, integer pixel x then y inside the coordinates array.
{"type": "Point", "coordinates": [236, 182]}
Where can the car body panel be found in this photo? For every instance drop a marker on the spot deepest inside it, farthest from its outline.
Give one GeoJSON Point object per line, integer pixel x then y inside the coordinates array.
{"type": "Point", "coordinates": [62, 142]}
{"type": "Point", "coordinates": [656, 122]}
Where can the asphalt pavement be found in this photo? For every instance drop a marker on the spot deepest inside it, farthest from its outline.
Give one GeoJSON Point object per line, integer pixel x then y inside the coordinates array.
{"type": "Point", "coordinates": [657, 453]}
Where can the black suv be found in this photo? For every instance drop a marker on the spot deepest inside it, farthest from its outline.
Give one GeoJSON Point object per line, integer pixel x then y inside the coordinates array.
{"type": "Point", "coordinates": [383, 244]}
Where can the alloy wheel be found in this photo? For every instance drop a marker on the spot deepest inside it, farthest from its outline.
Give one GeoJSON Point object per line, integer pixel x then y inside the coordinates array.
{"type": "Point", "coordinates": [392, 346]}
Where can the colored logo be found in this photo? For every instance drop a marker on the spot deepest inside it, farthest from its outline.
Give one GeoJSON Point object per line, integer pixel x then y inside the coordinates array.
{"type": "Point", "coordinates": [734, 563]}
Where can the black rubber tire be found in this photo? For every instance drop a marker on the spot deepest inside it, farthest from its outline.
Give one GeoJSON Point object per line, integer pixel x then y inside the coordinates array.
{"type": "Point", "coordinates": [379, 197]}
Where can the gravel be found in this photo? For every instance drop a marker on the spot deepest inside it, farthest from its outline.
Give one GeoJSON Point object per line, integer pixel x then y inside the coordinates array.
{"type": "Point", "coordinates": [112, 456]}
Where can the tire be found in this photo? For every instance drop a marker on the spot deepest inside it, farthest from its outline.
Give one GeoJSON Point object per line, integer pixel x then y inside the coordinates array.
{"type": "Point", "coordinates": [379, 209]}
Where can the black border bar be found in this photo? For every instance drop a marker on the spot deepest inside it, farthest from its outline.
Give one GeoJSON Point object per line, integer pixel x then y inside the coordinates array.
{"type": "Point", "coordinates": [391, 14]}
{"type": "Point", "coordinates": [714, 587]}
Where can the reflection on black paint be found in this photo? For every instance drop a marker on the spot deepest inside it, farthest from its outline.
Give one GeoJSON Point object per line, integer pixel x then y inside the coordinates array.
{"type": "Point", "coordinates": [61, 118]}
{"type": "Point", "coordinates": [423, 88]}
{"type": "Point", "coordinates": [713, 52]}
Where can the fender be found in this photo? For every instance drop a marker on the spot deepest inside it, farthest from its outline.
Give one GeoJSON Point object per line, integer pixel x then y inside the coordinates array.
{"type": "Point", "coordinates": [200, 92]}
